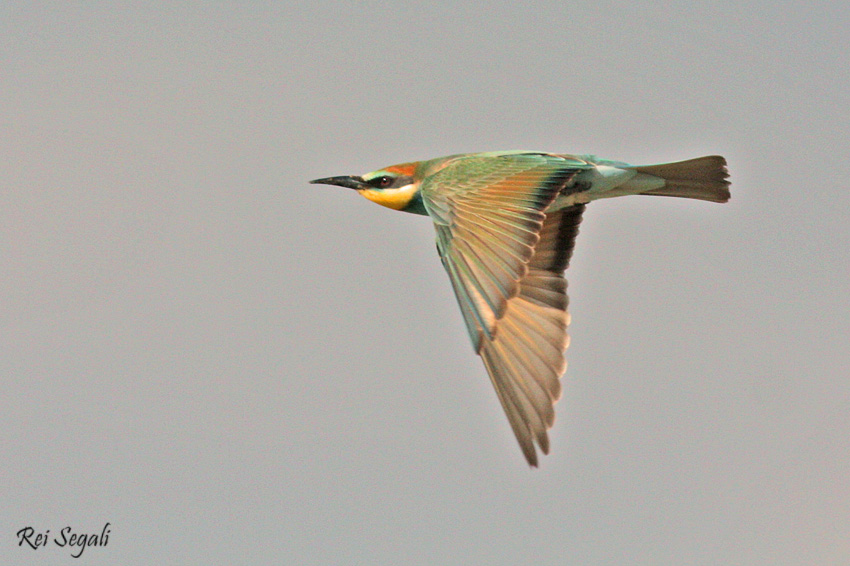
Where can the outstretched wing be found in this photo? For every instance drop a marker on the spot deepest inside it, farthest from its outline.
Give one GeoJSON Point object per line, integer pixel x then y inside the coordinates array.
{"type": "Point", "coordinates": [525, 359]}
{"type": "Point", "coordinates": [505, 259]}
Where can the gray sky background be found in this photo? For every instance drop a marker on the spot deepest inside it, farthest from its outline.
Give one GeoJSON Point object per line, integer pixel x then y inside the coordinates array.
{"type": "Point", "coordinates": [232, 366]}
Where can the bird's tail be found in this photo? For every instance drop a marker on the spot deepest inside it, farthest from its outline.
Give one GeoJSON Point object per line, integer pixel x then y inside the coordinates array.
{"type": "Point", "coordinates": [703, 178]}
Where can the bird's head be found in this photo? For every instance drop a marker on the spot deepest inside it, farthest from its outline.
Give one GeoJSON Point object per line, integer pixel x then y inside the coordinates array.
{"type": "Point", "coordinates": [394, 187]}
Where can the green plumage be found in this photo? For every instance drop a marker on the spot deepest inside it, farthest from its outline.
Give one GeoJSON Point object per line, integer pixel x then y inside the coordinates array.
{"type": "Point", "coordinates": [506, 223]}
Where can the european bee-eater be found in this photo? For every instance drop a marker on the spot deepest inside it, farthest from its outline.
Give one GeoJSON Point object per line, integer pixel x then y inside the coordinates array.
{"type": "Point", "coordinates": [506, 222]}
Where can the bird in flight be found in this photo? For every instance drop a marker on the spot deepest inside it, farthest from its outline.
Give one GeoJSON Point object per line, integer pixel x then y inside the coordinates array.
{"type": "Point", "coordinates": [506, 224]}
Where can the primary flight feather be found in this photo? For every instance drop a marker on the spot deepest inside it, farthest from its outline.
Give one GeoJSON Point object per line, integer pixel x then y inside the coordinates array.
{"type": "Point", "coordinates": [506, 223]}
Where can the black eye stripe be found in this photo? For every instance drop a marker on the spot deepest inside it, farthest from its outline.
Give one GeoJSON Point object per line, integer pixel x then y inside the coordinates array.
{"type": "Point", "coordinates": [388, 181]}
{"type": "Point", "coordinates": [381, 182]}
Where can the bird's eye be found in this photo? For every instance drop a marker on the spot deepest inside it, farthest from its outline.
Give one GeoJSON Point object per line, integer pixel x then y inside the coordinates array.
{"type": "Point", "coordinates": [382, 182]}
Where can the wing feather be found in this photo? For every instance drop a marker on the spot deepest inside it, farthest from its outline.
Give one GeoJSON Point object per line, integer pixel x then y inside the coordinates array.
{"type": "Point", "coordinates": [489, 212]}
{"type": "Point", "coordinates": [526, 354]}
{"type": "Point", "coordinates": [505, 254]}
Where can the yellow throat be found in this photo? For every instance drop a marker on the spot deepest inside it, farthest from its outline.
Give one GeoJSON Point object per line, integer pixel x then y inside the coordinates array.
{"type": "Point", "coordinates": [397, 199]}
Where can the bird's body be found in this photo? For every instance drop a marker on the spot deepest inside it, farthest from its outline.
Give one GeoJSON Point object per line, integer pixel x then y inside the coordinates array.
{"type": "Point", "coordinates": [506, 223]}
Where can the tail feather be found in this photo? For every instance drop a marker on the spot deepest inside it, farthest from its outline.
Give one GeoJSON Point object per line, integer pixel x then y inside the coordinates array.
{"type": "Point", "coordinates": [703, 178]}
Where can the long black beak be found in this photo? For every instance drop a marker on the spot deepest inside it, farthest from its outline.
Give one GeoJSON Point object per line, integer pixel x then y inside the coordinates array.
{"type": "Point", "coordinates": [349, 181]}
